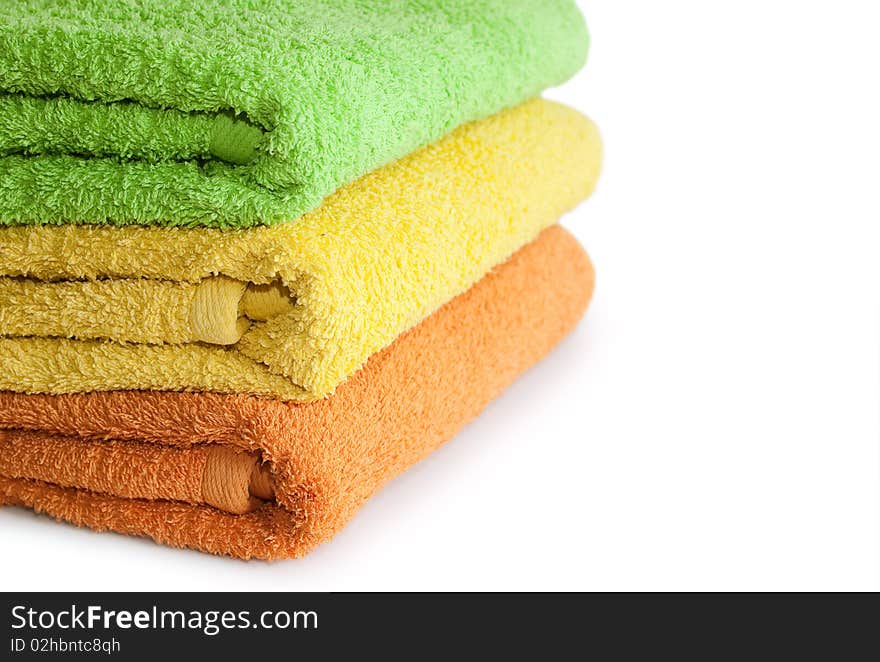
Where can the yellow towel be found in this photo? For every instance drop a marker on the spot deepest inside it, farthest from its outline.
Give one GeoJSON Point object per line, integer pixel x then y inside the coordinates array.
{"type": "Point", "coordinates": [291, 310]}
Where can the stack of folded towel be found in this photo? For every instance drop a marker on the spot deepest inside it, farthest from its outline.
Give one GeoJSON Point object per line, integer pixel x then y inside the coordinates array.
{"type": "Point", "coordinates": [257, 257]}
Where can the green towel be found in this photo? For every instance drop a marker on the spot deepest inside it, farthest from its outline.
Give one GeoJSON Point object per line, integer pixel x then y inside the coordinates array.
{"type": "Point", "coordinates": [233, 113]}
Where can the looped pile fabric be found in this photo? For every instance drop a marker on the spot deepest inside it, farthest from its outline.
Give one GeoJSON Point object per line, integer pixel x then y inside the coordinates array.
{"type": "Point", "coordinates": [238, 113]}
{"type": "Point", "coordinates": [335, 286]}
{"type": "Point", "coordinates": [258, 257]}
{"type": "Point", "coordinates": [327, 457]}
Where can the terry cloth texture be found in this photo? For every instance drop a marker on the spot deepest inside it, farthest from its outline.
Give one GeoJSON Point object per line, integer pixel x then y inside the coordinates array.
{"type": "Point", "coordinates": [222, 476]}
{"type": "Point", "coordinates": [234, 113]}
{"type": "Point", "coordinates": [291, 310]}
{"type": "Point", "coordinates": [325, 458]}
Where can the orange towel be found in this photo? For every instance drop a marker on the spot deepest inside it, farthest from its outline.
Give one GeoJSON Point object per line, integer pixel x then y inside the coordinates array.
{"type": "Point", "coordinates": [257, 478]}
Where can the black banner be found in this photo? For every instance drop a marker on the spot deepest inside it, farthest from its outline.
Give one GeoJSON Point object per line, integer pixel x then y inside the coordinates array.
{"type": "Point", "coordinates": [252, 626]}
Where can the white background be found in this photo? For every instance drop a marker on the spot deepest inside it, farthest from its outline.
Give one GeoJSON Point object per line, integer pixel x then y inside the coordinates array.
{"type": "Point", "coordinates": [713, 423]}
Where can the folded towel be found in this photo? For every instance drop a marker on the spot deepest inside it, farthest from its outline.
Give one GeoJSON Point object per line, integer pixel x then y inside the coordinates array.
{"type": "Point", "coordinates": [233, 113]}
{"type": "Point", "coordinates": [177, 466]}
{"type": "Point", "coordinates": [228, 478]}
{"type": "Point", "coordinates": [289, 310]}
